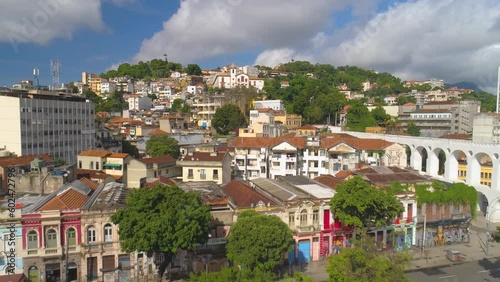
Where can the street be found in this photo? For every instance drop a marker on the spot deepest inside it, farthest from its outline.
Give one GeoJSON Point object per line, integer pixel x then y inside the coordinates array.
{"type": "Point", "coordinates": [482, 270]}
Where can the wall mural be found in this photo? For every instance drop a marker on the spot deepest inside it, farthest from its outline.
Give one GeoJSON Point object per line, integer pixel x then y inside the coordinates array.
{"type": "Point", "coordinates": [444, 235]}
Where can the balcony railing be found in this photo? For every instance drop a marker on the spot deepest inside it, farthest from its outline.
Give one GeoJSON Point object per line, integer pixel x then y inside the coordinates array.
{"type": "Point", "coordinates": [32, 252]}
{"type": "Point", "coordinates": [51, 251]}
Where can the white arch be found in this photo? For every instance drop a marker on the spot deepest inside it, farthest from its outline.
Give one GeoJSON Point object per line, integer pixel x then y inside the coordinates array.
{"type": "Point", "coordinates": [473, 151]}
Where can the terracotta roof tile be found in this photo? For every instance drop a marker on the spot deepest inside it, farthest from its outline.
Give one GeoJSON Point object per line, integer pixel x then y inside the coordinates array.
{"type": "Point", "coordinates": [457, 136]}
{"type": "Point", "coordinates": [92, 174]}
{"type": "Point", "coordinates": [118, 155]}
{"type": "Point", "coordinates": [244, 196]}
{"type": "Point", "coordinates": [158, 132]}
{"type": "Point", "coordinates": [68, 200]}
{"type": "Point", "coordinates": [205, 157]}
{"type": "Point", "coordinates": [95, 153]}
{"type": "Point", "coordinates": [308, 127]}
{"type": "Point", "coordinates": [21, 161]}
{"type": "Point", "coordinates": [93, 185]}
{"type": "Point", "coordinates": [158, 160]}
{"type": "Point", "coordinates": [329, 180]}
{"type": "Point", "coordinates": [344, 174]}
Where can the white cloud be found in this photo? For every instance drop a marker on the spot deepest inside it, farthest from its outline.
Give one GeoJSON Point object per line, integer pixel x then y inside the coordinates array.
{"type": "Point", "coordinates": [203, 29]}
{"type": "Point", "coordinates": [453, 40]}
{"type": "Point", "coordinates": [41, 21]}
{"type": "Point", "coordinates": [274, 57]}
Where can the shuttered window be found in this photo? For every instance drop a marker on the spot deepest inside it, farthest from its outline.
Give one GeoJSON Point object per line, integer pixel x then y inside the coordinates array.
{"type": "Point", "coordinates": [108, 263]}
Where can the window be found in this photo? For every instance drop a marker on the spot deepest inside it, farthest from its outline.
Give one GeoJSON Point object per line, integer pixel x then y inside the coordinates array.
{"type": "Point", "coordinates": [303, 217]}
{"type": "Point", "coordinates": [216, 174]}
{"type": "Point", "coordinates": [203, 174]}
{"type": "Point", "coordinates": [315, 217]}
{"type": "Point", "coordinates": [91, 234]}
{"type": "Point", "coordinates": [97, 165]}
{"type": "Point", "coordinates": [71, 240]}
{"type": "Point", "coordinates": [190, 173]}
{"type": "Point", "coordinates": [32, 240]}
{"type": "Point", "coordinates": [291, 219]}
{"type": "Point", "coordinates": [108, 233]}
{"type": "Point", "coordinates": [51, 239]}
{"type": "Point", "coordinates": [91, 165]}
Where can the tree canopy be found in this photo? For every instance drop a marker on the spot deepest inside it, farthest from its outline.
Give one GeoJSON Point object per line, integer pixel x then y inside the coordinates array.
{"type": "Point", "coordinates": [162, 220]}
{"type": "Point", "coordinates": [413, 129]}
{"type": "Point", "coordinates": [359, 117]}
{"type": "Point", "coordinates": [193, 69]}
{"type": "Point", "coordinates": [360, 204]}
{"type": "Point", "coordinates": [228, 118]}
{"type": "Point", "coordinates": [160, 145]}
{"type": "Point", "coordinates": [180, 106]}
{"type": "Point", "coordinates": [156, 68]}
{"type": "Point", "coordinates": [365, 264]}
{"type": "Point", "coordinates": [258, 241]}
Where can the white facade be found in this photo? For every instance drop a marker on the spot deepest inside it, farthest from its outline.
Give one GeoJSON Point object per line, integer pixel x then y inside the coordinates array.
{"type": "Point", "coordinates": [276, 105]}
{"type": "Point", "coordinates": [125, 86]}
{"type": "Point", "coordinates": [486, 128]}
{"type": "Point", "coordinates": [46, 124]}
{"type": "Point", "coordinates": [193, 89]}
{"type": "Point", "coordinates": [285, 161]}
{"type": "Point", "coordinates": [108, 87]}
{"type": "Point", "coordinates": [139, 103]}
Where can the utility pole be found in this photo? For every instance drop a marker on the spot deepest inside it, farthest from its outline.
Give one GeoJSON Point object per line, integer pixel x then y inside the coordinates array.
{"type": "Point", "coordinates": [67, 255]}
{"type": "Point", "coordinates": [424, 235]}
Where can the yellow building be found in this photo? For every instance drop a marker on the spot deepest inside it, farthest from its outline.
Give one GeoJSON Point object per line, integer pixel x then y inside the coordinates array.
{"type": "Point", "coordinates": [95, 84]}
{"type": "Point", "coordinates": [289, 121]}
{"type": "Point", "coordinates": [486, 171]}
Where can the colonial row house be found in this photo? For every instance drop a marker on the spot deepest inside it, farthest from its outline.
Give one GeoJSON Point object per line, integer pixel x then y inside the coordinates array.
{"type": "Point", "coordinates": [69, 232]}
{"type": "Point", "coordinates": [311, 156]}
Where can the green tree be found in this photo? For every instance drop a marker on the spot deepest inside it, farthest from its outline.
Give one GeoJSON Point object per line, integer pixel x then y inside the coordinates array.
{"type": "Point", "coordinates": [193, 69]}
{"type": "Point", "coordinates": [359, 117]}
{"type": "Point", "coordinates": [367, 265]}
{"type": "Point", "coordinates": [413, 129]}
{"type": "Point", "coordinates": [258, 241]}
{"type": "Point", "coordinates": [161, 145]}
{"type": "Point", "coordinates": [130, 149]}
{"type": "Point", "coordinates": [152, 96]}
{"type": "Point", "coordinates": [363, 205]}
{"type": "Point", "coordinates": [227, 118]}
{"type": "Point", "coordinates": [162, 220]}
{"type": "Point", "coordinates": [59, 162]}
{"type": "Point", "coordinates": [380, 115]}
{"type": "Point", "coordinates": [403, 99]}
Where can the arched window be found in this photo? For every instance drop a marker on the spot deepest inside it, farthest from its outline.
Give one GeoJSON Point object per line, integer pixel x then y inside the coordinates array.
{"type": "Point", "coordinates": [303, 217]}
{"type": "Point", "coordinates": [51, 239]}
{"type": "Point", "coordinates": [32, 240]}
{"type": "Point", "coordinates": [71, 240]}
{"type": "Point", "coordinates": [91, 234]}
{"type": "Point", "coordinates": [108, 233]}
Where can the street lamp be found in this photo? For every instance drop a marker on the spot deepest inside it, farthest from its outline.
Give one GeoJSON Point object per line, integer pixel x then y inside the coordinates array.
{"type": "Point", "coordinates": [7, 261]}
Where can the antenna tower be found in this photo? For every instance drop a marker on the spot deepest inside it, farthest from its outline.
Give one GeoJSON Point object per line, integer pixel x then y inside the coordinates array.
{"type": "Point", "coordinates": [55, 66]}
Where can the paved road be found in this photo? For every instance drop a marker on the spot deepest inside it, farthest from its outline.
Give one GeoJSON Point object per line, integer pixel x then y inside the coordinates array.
{"type": "Point", "coordinates": [475, 271]}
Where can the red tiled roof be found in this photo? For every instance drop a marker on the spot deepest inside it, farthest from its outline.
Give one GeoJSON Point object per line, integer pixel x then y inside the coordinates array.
{"type": "Point", "coordinates": [13, 277]}
{"type": "Point", "coordinates": [24, 160]}
{"type": "Point", "coordinates": [118, 155]}
{"type": "Point", "coordinates": [409, 104]}
{"type": "Point", "coordinates": [243, 195]}
{"type": "Point", "coordinates": [157, 160]}
{"type": "Point", "coordinates": [92, 174]}
{"type": "Point", "coordinates": [95, 153]}
{"type": "Point", "coordinates": [264, 110]}
{"type": "Point", "coordinates": [68, 200]}
{"type": "Point", "coordinates": [329, 180]}
{"type": "Point", "coordinates": [205, 157]}
{"type": "Point", "coordinates": [93, 185]}
{"type": "Point", "coordinates": [343, 174]}
{"type": "Point", "coordinates": [158, 132]}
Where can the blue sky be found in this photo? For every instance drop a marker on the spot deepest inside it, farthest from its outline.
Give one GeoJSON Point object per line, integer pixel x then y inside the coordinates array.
{"type": "Point", "coordinates": [416, 39]}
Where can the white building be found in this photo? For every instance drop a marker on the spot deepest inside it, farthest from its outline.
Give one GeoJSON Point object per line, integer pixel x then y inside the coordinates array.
{"type": "Point", "coordinates": [125, 86]}
{"type": "Point", "coordinates": [486, 128]}
{"type": "Point", "coordinates": [193, 89]}
{"type": "Point", "coordinates": [276, 105]}
{"type": "Point", "coordinates": [61, 126]}
{"type": "Point", "coordinates": [237, 77]}
{"type": "Point", "coordinates": [108, 87]}
{"type": "Point", "coordinates": [137, 103]}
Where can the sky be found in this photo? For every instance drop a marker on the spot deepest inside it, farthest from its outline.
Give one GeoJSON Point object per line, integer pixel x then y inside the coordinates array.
{"type": "Point", "coordinates": [454, 40]}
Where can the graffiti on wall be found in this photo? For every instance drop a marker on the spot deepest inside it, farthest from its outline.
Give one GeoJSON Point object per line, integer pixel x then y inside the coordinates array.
{"type": "Point", "coordinates": [443, 235]}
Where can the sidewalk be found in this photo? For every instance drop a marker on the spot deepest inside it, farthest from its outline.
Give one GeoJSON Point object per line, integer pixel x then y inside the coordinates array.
{"type": "Point", "coordinates": [472, 251]}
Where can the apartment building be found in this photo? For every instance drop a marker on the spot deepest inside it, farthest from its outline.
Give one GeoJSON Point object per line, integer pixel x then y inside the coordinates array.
{"type": "Point", "coordinates": [114, 164]}
{"type": "Point", "coordinates": [206, 166]}
{"type": "Point", "coordinates": [108, 87]}
{"type": "Point", "coordinates": [204, 107]}
{"type": "Point", "coordinates": [147, 170]}
{"type": "Point", "coordinates": [439, 118]}
{"type": "Point", "coordinates": [486, 128]}
{"type": "Point", "coordinates": [139, 103]}
{"type": "Point", "coordinates": [55, 124]}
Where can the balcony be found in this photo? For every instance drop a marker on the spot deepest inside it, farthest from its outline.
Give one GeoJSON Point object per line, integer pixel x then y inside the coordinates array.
{"type": "Point", "coordinates": [305, 229]}
{"type": "Point", "coordinates": [32, 252]}
{"type": "Point", "coordinates": [108, 245]}
{"type": "Point", "coordinates": [52, 251]}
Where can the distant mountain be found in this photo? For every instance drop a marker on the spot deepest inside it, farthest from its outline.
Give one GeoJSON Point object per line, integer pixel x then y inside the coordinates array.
{"type": "Point", "coordinates": [464, 85]}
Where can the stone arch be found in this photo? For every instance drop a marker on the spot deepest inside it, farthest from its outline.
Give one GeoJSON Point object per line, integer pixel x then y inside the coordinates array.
{"type": "Point", "coordinates": [435, 161]}
{"type": "Point", "coordinates": [456, 165]}
{"type": "Point", "coordinates": [479, 169]}
{"type": "Point", "coordinates": [419, 158]}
